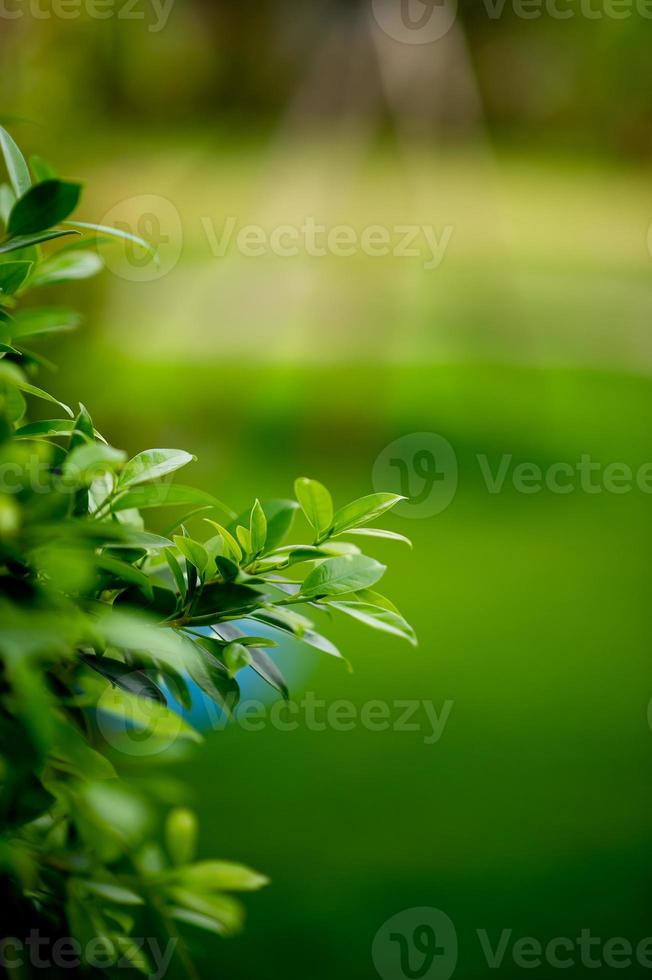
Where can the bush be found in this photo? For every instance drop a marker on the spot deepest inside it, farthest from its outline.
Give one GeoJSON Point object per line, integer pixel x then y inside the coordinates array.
{"type": "Point", "coordinates": [105, 623]}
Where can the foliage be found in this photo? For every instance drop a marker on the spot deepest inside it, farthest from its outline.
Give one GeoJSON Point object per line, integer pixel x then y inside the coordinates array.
{"type": "Point", "coordinates": [103, 620]}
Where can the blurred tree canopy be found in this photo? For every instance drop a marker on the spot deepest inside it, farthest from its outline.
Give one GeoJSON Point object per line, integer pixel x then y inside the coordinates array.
{"type": "Point", "coordinates": [201, 61]}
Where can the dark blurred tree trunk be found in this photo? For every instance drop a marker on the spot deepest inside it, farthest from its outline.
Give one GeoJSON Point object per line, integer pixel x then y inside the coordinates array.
{"type": "Point", "coordinates": [241, 40]}
{"type": "Point", "coordinates": [109, 66]}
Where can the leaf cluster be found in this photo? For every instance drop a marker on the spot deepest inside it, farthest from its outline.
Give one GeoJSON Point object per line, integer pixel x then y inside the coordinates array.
{"type": "Point", "coordinates": [102, 619]}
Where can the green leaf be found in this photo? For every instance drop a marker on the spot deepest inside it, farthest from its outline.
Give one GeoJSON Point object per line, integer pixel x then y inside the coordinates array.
{"type": "Point", "coordinates": [83, 921]}
{"type": "Point", "coordinates": [298, 626]}
{"type": "Point", "coordinates": [376, 599]}
{"type": "Point", "coordinates": [364, 510]}
{"type": "Point", "coordinates": [236, 657]}
{"type": "Point", "coordinates": [114, 814]}
{"type": "Point", "coordinates": [181, 835]}
{"type": "Point", "coordinates": [45, 320]}
{"type": "Point", "coordinates": [175, 568]}
{"type": "Point", "coordinates": [280, 517]}
{"type": "Point", "coordinates": [265, 667]}
{"type": "Point", "coordinates": [227, 633]}
{"type": "Point", "coordinates": [15, 163]}
{"type": "Point", "coordinates": [337, 576]}
{"type": "Point", "coordinates": [43, 206]}
{"type": "Point", "coordinates": [10, 374]}
{"type": "Point", "coordinates": [212, 677]}
{"type": "Point", "coordinates": [73, 755]}
{"type": "Point", "coordinates": [113, 807]}
{"type": "Point", "coordinates": [87, 462]}
{"type": "Point", "coordinates": [231, 547]}
{"type": "Point", "coordinates": [376, 617]}
{"type": "Point", "coordinates": [244, 539]}
{"type": "Point", "coordinates": [257, 528]}
{"type": "Point", "coordinates": [131, 630]}
{"type": "Point", "coordinates": [7, 201]}
{"type": "Point", "coordinates": [28, 254]}
{"type": "Point", "coordinates": [152, 465]}
{"type": "Point", "coordinates": [160, 602]}
{"type": "Point", "coordinates": [116, 233]}
{"type": "Point", "coordinates": [132, 952]}
{"type": "Point", "coordinates": [298, 553]}
{"type": "Point", "coordinates": [13, 404]}
{"type": "Point", "coordinates": [125, 573]}
{"type": "Point", "coordinates": [222, 909]}
{"type": "Point", "coordinates": [204, 922]}
{"type": "Point", "coordinates": [164, 495]}
{"type": "Point", "coordinates": [34, 360]}
{"type": "Point", "coordinates": [225, 600]}
{"type": "Point", "coordinates": [194, 552]}
{"type": "Point", "coordinates": [83, 432]}
{"type": "Point", "coordinates": [66, 266]}
{"type": "Point", "coordinates": [112, 893]}
{"type": "Point", "coordinates": [227, 568]}
{"type": "Point", "coordinates": [145, 719]}
{"type": "Point", "coordinates": [333, 549]}
{"type": "Point", "coordinates": [25, 241]}
{"type": "Point", "coordinates": [250, 641]}
{"type": "Point", "coordinates": [82, 437]}
{"type": "Point", "coordinates": [32, 702]}
{"type": "Point", "coordinates": [316, 503]}
{"type": "Point", "coordinates": [140, 539]}
{"type": "Point", "coordinates": [218, 876]}
{"type": "Point", "coordinates": [133, 681]}
{"type": "Point", "coordinates": [375, 532]}
{"type": "Point", "coordinates": [185, 518]}
{"type": "Point", "coordinates": [41, 169]}
{"type": "Point", "coordinates": [13, 275]}
{"type": "Point", "coordinates": [80, 243]}
{"type": "Point", "coordinates": [192, 574]}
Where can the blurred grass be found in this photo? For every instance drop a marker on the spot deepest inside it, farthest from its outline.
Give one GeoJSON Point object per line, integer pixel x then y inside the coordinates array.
{"type": "Point", "coordinates": [548, 260]}
{"type": "Point", "coordinates": [532, 812]}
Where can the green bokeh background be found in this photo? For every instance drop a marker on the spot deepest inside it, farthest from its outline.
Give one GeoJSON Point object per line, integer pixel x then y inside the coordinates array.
{"type": "Point", "coordinates": [532, 813]}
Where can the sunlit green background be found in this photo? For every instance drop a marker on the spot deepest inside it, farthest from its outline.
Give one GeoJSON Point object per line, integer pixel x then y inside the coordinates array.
{"type": "Point", "coordinates": [531, 140]}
